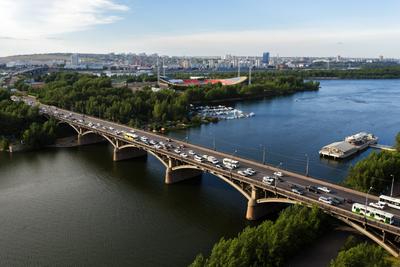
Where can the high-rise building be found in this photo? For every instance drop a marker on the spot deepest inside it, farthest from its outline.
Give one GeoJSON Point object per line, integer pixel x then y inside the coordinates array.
{"type": "Point", "coordinates": [74, 59]}
{"type": "Point", "coordinates": [265, 58]}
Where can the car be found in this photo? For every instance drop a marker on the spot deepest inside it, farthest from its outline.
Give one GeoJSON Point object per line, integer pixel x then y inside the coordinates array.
{"type": "Point", "coordinates": [313, 189]}
{"type": "Point", "coordinates": [349, 200]}
{"type": "Point", "coordinates": [298, 191]}
{"type": "Point", "coordinates": [379, 205]}
{"type": "Point", "coordinates": [219, 166]}
{"type": "Point", "coordinates": [250, 171]}
{"type": "Point", "coordinates": [157, 146]}
{"type": "Point", "coordinates": [152, 142]}
{"type": "Point", "coordinates": [214, 161]}
{"type": "Point", "coordinates": [242, 173]}
{"type": "Point", "coordinates": [183, 155]}
{"type": "Point", "coordinates": [279, 174]}
{"type": "Point", "coordinates": [168, 140]}
{"type": "Point", "coordinates": [230, 166]}
{"type": "Point", "coordinates": [326, 200]}
{"type": "Point", "coordinates": [191, 152]}
{"type": "Point", "coordinates": [268, 180]}
{"type": "Point", "coordinates": [198, 158]}
{"type": "Point", "coordinates": [324, 189]}
{"type": "Point", "coordinates": [177, 151]}
{"type": "Point", "coordinates": [111, 128]}
{"type": "Point", "coordinates": [132, 131]}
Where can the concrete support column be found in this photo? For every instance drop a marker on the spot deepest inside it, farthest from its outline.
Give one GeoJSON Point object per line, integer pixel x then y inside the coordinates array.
{"type": "Point", "coordinates": [252, 206]}
{"type": "Point", "coordinates": [174, 176]}
{"type": "Point", "coordinates": [128, 153]}
{"type": "Point", "coordinates": [251, 213]}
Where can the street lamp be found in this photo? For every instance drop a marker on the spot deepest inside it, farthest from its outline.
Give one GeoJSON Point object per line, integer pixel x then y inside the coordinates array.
{"type": "Point", "coordinates": [230, 170]}
{"type": "Point", "coordinates": [264, 154]}
{"type": "Point", "coordinates": [308, 163]}
{"type": "Point", "coordinates": [391, 191]}
{"type": "Point", "coordinates": [366, 204]}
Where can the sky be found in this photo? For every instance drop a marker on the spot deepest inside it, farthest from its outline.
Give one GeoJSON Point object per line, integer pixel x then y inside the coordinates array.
{"type": "Point", "coordinates": [350, 28]}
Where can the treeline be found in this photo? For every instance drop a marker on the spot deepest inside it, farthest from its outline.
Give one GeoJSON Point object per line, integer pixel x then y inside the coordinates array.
{"type": "Point", "coordinates": [356, 254]}
{"type": "Point", "coordinates": [265, 87]}
{"type": "Point", "coordinates": [270, 243]}
{"type": "Point", "coordinates": [166, 108]}
{"type": "Point", "coordinates": [366, 72]}
{"type": "Point", "coordinates": [376, 170]}
{"type": "Point", "coordinates": [95, 96]}
{"type": "Point", "coordinates": [20, 122]}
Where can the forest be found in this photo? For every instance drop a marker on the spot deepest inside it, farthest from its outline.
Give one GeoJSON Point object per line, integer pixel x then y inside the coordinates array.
{"type": "Point", "coordinates": [22, 123]}
{"type": "Point", "coordinates": [270, 243]}
{"type": "Point", "coordinates": [376, 170]}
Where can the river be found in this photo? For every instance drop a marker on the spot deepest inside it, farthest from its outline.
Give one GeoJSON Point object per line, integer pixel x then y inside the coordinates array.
{"type": "Point", "coordinates": [76, 207]}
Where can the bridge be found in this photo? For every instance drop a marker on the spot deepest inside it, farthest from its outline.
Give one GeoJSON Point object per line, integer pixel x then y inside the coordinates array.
{"type": "Point", "coordinates": [179, 167]}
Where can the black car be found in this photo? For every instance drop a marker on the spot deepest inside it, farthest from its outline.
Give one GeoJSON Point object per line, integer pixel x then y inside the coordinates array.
{"type": "Point", "coordinates": [313, 189]}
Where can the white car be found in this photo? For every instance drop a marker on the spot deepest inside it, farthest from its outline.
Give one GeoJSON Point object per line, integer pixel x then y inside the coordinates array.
{"type": "Point", "coordinates": [191, 152]}
{"type": "Point", "coordinates": [183, 155]}
{"type": "Point", "coordinates": [324, 189]}
{"type": "Point", "coordinates": [177, 151]}
{"type": "Point", "coordinates": [243, 173]}
{"type": "Point", "coordinates": [268, 180]}
{"type": "Point", "coordinates": [230, 166]}
{"type": "Point", "coordinates": [198, 158]}
{"type": "Point", "coordinates": [279, 174]}
{"type": "Point", "coordinates": [379, 205]}
{"type": "Point", "coordinates": [326, 200]}
{"type": "Point", "coordinates": [250, 171]}
{"type": "Point", "coordinates": [152, 142]}
{"type": "Point", "coordinates": [214, 161]}
{"type": "Point", "coordinates": [157, 146]}
{"type": "Point", "coordinates": [132, 131]}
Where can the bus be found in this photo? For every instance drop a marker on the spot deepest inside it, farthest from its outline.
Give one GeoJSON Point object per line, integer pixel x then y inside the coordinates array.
{"type": "Point", "coordinates": [130, 136]}
{"type": "Point", "coordinates": [373, 213]}
{"type": "Point", "coordinates": [390, 201]}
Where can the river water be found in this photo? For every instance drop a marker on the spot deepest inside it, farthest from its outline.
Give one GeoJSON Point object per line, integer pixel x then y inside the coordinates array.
{"type": "Point", "coordinates": [76, 207]}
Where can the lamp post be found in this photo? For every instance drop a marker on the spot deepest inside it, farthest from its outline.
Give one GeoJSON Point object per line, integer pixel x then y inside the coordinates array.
{"type": "Point", "coordinates": [307, 164]}
{"type": "Point", "coordinates": [391, 191]}
{"type": "Point", "coordinates": [264, 154]}
{"type": "Point", "coordinates": [366, 204]}
{"type": "Point", "coordinates": [214, 147]}
{"type": "Point", "coordinates": [230, 170]}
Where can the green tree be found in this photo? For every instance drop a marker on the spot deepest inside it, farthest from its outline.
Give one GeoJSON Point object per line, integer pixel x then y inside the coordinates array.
{"type": "Point", "coordinates": [362, 255]}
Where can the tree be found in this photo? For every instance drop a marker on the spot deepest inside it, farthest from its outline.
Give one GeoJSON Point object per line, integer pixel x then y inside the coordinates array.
{"type": "Point", "coordinates": [398, 142]}
{"type": "Point", "coordinates": [362, 255]}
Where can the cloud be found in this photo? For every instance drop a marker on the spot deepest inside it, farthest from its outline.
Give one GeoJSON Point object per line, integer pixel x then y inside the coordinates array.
{"type": "Point", "coordinates": [41, 18]}
{"type": "Point", "coordinates": [291, 42]}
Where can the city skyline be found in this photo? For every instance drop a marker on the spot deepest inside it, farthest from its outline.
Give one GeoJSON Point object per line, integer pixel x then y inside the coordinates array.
{"type": "Point", "coordinates": [210, 28]}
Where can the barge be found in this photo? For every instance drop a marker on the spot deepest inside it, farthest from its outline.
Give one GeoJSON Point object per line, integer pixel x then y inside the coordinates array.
{"type": "Point", "coordinates": [351, 145]}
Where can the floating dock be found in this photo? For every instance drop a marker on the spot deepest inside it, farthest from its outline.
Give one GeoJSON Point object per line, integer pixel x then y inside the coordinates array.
{"type": "Point", "coordinates": [351, 145]}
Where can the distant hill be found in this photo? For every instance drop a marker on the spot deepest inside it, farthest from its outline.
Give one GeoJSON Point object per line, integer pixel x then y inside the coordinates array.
{"type": "Point", "coordinates": [36, 57]}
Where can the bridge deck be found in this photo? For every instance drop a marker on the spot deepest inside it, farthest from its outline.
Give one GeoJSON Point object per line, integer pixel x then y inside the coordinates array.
{"type": "Point", "coordinates": [283, 188]}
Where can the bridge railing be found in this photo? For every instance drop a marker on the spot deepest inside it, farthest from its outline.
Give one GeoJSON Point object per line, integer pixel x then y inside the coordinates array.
{"type": "Point", "coordinates": [233, 175]}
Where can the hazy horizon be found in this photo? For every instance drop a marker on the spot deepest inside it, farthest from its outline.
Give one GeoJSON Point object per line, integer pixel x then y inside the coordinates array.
{"type": "Point", "coordinates": [188, 28]}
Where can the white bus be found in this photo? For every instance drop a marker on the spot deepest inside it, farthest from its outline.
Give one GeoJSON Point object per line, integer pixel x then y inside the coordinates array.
{"type": "Point", "coordinates": [390, 201]}
{"type": "Point", "coordinates": [373, 213]}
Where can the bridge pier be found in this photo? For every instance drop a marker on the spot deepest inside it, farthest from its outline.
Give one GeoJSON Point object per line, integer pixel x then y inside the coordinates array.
{"type": "Point", "coordinates": [128, 153]}
{"type": "Point", "coordinates": [175, 176]}
{"type": "Point", "coordinates": [89, 139]}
